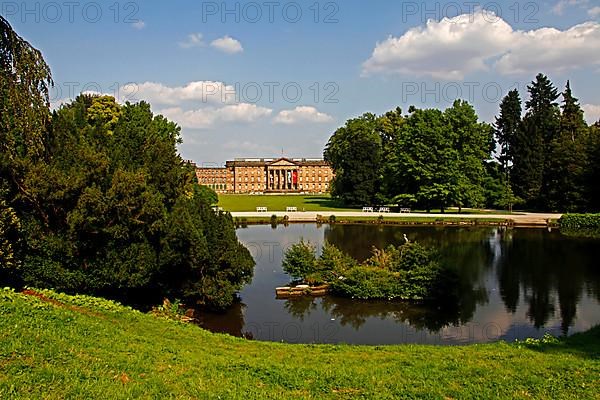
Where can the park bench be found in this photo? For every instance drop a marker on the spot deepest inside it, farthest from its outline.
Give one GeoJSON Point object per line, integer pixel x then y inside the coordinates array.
{"type": "Point", "coordinates": [367, 209]}
{"type": "Point", "coordinates": [405, 210]}
{"type": "Point", "coordinates": [291, 209]}
{"type": "Point", "coordinates": [384, 209]}
{"type": "Point", "coordinates": [262, 209]}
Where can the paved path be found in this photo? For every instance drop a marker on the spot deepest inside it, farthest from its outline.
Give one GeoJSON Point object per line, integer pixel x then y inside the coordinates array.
{"type": "Point", "coordinates": [309, 216]}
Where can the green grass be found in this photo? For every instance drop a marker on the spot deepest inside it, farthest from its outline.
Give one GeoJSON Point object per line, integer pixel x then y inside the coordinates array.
{"type": "Point", "coordinates": [242, 202]}
{"type": "Point", "coordinates": [81, 347]}
{"type": "Point", "coordinates": [247, 202]}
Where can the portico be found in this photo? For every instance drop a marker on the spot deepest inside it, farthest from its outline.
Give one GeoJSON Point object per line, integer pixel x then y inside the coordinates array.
{"type": "Point", "coordinates": [282, 176]}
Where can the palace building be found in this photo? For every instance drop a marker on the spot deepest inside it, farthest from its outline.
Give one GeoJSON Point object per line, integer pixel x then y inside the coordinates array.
{"type": "Point", "coordinates": [268, 175]}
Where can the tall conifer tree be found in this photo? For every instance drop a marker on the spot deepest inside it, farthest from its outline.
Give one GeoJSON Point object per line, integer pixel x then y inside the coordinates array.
{"type": "Point", "coordinates": [540, 126]}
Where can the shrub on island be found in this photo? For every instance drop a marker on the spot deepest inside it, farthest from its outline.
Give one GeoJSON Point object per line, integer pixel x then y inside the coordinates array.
{"type": "Point", "coordinates": [407, 272]}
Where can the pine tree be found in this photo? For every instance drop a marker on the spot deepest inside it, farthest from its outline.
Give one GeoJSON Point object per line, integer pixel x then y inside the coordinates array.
{"type": "Point", "coordinates": [539, 128]}
{"type": "Point", "coordinates": [572, 123]}
{"type": "Point", "coordinates": [507, 127]}
{"type": "Point", "coordinates": [567, 158]}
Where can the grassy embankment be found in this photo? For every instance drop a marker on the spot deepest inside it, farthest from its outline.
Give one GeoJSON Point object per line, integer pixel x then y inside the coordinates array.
{"type": "Point", "coordinates": [80, 347]}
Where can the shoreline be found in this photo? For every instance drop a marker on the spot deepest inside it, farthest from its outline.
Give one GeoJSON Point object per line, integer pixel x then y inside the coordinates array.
{"type": "Point", "coordinates": [522, 220]}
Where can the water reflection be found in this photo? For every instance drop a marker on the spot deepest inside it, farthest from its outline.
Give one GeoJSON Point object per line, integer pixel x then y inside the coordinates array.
{"type": "Point", "coordinates": [513, 283]}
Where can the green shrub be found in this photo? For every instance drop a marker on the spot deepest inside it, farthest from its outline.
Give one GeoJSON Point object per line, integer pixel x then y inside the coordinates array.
{"type": "Point", "coordinates": [583, 225]}
{"type": "Point", "coordinates": [299, 260]}
{"type": "Point", "coordinates": [364, 282]}
{"type": "Point", "coordinates": [577, 221]}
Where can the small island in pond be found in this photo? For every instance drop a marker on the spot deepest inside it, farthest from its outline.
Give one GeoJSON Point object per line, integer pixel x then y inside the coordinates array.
{"type": "Point", "coordinates": [407, 272]}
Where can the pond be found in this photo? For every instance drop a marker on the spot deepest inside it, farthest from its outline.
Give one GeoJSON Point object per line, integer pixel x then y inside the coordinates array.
{"type": "Point", "coordinates": [514, 284]}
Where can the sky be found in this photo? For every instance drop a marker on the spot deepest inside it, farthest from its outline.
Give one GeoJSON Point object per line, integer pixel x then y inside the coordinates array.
{"type": "Point", "coordinates": [277, 78]}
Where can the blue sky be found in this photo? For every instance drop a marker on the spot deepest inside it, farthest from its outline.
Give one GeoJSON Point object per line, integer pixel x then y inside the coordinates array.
{"type": "Point", "coordinates": [230, 73]}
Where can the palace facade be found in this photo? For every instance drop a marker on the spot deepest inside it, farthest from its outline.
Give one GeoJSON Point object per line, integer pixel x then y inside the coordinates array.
{"type": "Point", "coordinates": [268, 175]}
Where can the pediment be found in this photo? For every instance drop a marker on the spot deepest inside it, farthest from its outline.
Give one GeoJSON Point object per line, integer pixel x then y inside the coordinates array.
{"type": "Point", "coordinates": [282, 162]}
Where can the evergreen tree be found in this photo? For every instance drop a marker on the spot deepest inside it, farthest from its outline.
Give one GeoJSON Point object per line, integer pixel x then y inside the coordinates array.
{"type": "Point", "coordinates": [507, 127]}
{"type": "Point", "coordinates": [567, 159]}
{"type": "Point", "coordinates": [539, 127]}
{"type": "Point", "coordinates": [592, 171]}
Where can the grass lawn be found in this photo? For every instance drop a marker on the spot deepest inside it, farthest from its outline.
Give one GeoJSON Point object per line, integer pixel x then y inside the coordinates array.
{"type": "Point", "coordinates": [244, 202]}
{"type": "Point", "coordinates": [247, 202]}
{"type": "Point", "coordinates": [78, 347]}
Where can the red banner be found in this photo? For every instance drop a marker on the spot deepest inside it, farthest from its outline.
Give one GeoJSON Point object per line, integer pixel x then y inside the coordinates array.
{"type": "Point", "coordinates": [295, 177]}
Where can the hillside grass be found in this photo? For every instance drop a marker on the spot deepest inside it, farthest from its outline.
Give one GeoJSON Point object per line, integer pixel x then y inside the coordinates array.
{"type": "Point", "coordinates": [61, 347]}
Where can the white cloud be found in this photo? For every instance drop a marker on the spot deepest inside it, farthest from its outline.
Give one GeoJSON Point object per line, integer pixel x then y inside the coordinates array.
{"type": "Point", "coordinates": [559, 8]}
{"type": "Point", "coordinates": [301, 114]}
{"type": "Point", "coordinates": [139, 25]}
{"type": "Point", "coordinates": [594, 12]}
{"type": "Point", "coordinates": [197, 91]}
{"type": "Point", "coordinates": [193, 40]}
{"type": "Point", "coordinates": [208, 117]}
{"type": "Point", "coordinates": [453, 47]}
{"type": "Point", "coordinates": [549, 49]}
{"type": "Point", "coordinates": [228, 45]}
{"type": "Point", "coordinates": [592, 113]}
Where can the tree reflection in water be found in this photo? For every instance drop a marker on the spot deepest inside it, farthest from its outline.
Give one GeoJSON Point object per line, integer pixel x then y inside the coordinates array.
{"type": "Point", "coordinates": [522, 278]}
{"type": "Point", "coordinates": [547, 269]}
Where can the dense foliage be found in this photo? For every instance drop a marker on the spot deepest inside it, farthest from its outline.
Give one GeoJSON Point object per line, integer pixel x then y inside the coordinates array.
{"type": "Point", "coordinates": [580, 221]}
{"type": "Point", "coordinates": [407, 272]}
{"type": "Point", "coordinates": [546, 159]}
{"type": "Point", "coordinates": [580, 225]}
{"type": "Point", "coordinates": [96, 199]}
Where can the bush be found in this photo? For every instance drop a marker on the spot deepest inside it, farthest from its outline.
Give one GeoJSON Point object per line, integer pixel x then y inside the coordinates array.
{"type": "Point", "coordinates": [363, 282]}
{"type": "Point", "coordinates": [299, 260]}
{"type": "Point", "coordinates": [579, 221]}
{"type": "Point", "coordinates": [582, 225]}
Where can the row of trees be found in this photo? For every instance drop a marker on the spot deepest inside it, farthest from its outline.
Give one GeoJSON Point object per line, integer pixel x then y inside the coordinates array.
{"type": "Point", "coordinates": [550, 157]}
{"type": "Point", "coordinates": [547, 159]}
{"type": "Point", "coordinates": [95, 197]}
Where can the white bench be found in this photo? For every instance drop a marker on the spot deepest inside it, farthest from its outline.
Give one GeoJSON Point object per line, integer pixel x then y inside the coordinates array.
{"type": "Point", "coordinates": [384, 209]}
{"type": "Point", "coordinates": [367, 209]}
{"type": "Point", "coordinates": [291, 209]}
{"type": "Point", "coordinates": [262, 209]}
{"type": "Point", "coordinates": [405, 210]}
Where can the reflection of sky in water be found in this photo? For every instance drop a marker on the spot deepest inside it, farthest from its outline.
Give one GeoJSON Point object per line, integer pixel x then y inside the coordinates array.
{"type": "Point", "coordinates": [544, 278]}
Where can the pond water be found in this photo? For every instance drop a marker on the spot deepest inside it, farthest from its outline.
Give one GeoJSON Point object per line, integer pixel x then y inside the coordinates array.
{"type": "Point", "coordinates": [514, 284]}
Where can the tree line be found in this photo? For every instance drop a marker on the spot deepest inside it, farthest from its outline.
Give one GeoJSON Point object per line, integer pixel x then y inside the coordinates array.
{"type": "Point", "coordinates": [94, 197]}
{"type": "Point", "coordinates": [543, 157]}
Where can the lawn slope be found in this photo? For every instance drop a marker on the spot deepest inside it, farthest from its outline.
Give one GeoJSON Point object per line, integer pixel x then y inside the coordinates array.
{"type": "Point", "coordinates": [56, 346]}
